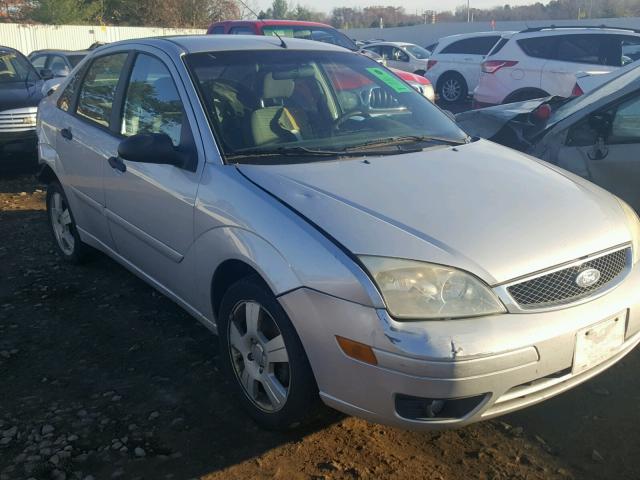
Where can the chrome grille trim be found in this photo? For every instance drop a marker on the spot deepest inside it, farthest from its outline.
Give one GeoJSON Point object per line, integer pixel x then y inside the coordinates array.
{"type": "Point", "coordinates": [544, 294]}
{"type": "Point", "coordinates": [14, 120]}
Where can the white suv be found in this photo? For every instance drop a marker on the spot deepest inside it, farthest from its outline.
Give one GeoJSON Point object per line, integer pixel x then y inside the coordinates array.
{"type": "Point", "coordinates": [540, 62]}
{"type": "Point", "coordinates": [454, 65]}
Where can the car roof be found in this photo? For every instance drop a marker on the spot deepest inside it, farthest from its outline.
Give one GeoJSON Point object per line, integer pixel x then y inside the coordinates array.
{"type": "Point", "coordinates": [208, 43]}
{"type": "Point", "coordinates": [4, 49]}
{"type": "Point", "coordinates": [395, 44]}
{"type": "Point", "coordinates": [462, 36]}
{"type": "Point", "coordinates": [266, 23]}
{"type": "Point", "coordinates": [60, 52]}
{"type": "Point", "coordinates": [569, 30]}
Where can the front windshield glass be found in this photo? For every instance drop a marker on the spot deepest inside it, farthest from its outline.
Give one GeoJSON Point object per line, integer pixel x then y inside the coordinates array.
{"type": "Point", "coordinates": [576, 104]}
{"type": "Point", "coordinates": [15, 68]}
{"type": "Point", "coordinates": [416, 51]}
{"type": "Point", "coordinates": [263, 103]}
{"type": "Point", "coordinates": [319, 34]}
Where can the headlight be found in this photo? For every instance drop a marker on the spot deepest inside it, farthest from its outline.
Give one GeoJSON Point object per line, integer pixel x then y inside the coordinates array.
{"type": "Point", "coordinates": [422, 290]}
{"type": "Point", "coordinates": [634, 226]}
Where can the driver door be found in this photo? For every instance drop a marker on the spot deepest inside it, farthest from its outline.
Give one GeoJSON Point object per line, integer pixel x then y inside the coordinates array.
{"type": "Point", "coordinates": [612, 162]}
{"type": "Point", "coordinates": [149, 206]}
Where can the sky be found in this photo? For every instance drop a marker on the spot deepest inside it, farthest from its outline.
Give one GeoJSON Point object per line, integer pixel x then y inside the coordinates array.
{"type": "Point", "coordinates": [409, 5]}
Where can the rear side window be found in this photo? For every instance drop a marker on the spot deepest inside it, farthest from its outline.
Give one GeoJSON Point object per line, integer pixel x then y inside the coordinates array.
{"type": "Point", "coordinates": [472, 46]}
{"type": "Point", "coordinates": [241, 31]}
{"type": "Point", "coordinates": [98, 89]}
{"type": "Point", "coordinates": [538, 47]}
{"type": "Point", "coordinates": [501, 43]}
{"type": "Point", "coordinates": [218, 30]}
{"type": "Point", "coordinates": [584, 49]}
{"type": "Point", "coordinates": [39, 62]}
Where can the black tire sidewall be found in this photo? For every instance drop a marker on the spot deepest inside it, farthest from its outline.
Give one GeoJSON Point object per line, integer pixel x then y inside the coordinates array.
{"type": "Point", "coordinates": [303, 391]}
{"type": "Point", "coordinates": [79, 251]}
{"type": "Point", "coordinates": [463, 87]}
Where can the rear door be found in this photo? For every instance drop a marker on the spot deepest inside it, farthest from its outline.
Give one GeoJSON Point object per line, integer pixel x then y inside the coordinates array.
{"type": "Point", "coordinates": [613, 164]}
{"type": "Point", "coordinates": [465, 57]}
{"type": "Point", "coordinates": [84, 140]}
{"type": "Point", "coordinates": [397, 58]}
{"type": "Point", "coordinates": [150, 207]}
{"type": "Point", "coordinates": [572, 53]}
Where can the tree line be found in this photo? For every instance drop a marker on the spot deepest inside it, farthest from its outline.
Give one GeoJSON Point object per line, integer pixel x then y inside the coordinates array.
{"type": "Point", "coordinates": [200, 13]}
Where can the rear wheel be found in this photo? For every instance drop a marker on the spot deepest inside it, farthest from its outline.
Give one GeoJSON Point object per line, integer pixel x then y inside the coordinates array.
{"type": "Point", "coordinates": [264, 358]}
{"type": "Point", "coordinates": [452, 87]}
{"type": "Point", "coordinates": [63, 227]}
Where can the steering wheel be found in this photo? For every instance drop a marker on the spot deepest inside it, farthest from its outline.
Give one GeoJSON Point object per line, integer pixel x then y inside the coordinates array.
{"type": "Point", "coordinates": [354, 113]}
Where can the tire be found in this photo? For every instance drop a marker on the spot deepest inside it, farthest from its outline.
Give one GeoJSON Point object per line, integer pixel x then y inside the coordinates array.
{"type": "Point", "coordinates": [452, 88]}
{"type": "Point", "coordinates": [276, 388]}
{"type": "Point", "coordinates": [63, 226]}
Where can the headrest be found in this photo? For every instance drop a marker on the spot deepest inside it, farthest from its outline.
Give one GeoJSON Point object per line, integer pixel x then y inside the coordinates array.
{"type": "Point", "coordinates": [273, 88]}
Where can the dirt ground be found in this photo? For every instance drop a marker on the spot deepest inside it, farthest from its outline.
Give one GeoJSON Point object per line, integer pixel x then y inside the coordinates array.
{"type": "Point", "coordinates": [101, 377]}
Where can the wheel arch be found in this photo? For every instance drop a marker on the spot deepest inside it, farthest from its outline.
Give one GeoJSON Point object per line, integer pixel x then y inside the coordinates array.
{"type": "Point", "coordinates": [512, 97]}
{"type": "Point", "coordinates": [46, 174]}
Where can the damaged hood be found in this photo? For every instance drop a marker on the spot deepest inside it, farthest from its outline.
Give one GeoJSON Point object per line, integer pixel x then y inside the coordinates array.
{"type": "Point", "coordinates": [479, 207]}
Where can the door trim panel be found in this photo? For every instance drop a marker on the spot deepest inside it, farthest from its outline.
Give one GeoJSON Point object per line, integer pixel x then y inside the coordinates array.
{"type": "Point", "coordinates": [154, 243]}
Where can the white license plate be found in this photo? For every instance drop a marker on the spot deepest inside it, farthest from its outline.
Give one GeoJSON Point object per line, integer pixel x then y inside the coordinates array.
{"type": "Point", "coordinates": [598, 343]}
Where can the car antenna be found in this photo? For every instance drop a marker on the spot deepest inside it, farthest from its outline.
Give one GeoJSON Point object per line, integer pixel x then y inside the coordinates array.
{"type": "Point", "coordinates": [282, 44]}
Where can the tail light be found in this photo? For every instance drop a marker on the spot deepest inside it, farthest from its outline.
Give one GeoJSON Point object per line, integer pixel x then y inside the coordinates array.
{"type": "Point", "coordinates": [431, 63]}
{"type": "Point", "coordinates": [577, 91]}
{"type": "Point", "coordinates": [543, 112]}
{"type": "Point", "coordinates": [492, 66]}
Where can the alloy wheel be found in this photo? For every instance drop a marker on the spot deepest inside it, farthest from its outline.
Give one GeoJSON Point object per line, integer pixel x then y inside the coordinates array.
{"type": "Point", "coordinates": [451, 90]}
{"type": "Point", "coordinates": [62, 223]}
{"type": "Point", "coordinates": [259, 356]}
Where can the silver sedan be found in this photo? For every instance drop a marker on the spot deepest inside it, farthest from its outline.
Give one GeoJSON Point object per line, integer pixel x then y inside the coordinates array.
{"type": "Point", "coordinates": [345, 239]}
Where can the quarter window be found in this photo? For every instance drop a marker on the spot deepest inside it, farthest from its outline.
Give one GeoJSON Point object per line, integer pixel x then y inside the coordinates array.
{"type": "Point", "coordinates": [472, 46]}
{"type": "Point", "coordinates": [99, 88]}
{"type": "Point", "coordinates": [152, 102]}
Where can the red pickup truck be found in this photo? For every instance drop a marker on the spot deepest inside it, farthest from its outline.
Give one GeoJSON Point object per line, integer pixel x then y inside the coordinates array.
{"type": "Point", "coordinates": [310, 31]}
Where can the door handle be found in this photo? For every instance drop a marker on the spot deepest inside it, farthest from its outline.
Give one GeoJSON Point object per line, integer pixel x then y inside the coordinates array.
{"type": "Point", "coordinates": [118, 164]}
{"type": "Point", "coordinates": [66, 133]}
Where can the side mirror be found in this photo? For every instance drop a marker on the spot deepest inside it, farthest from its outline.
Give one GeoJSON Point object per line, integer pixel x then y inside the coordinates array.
{"type": "Point", "coordinates": [150, 148]}
{"type": "Point", "coordinates": [601, 123]}
{"type": "Point", "coordinates": [46, 74]}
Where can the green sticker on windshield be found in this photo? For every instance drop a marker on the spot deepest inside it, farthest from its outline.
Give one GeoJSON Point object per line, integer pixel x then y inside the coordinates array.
{"type": "Point", "coordinates": [390, 79]}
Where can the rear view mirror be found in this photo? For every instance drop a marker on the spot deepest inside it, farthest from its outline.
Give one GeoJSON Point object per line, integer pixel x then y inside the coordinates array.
{"type": "Point", "coordinates": [46, 74]}
{"type": "Point", "coordinates": [601, 123]}
{"type": "Point", "coordinates": [150, 148]}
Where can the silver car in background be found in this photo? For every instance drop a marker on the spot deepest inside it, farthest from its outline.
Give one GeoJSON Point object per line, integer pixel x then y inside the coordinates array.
{"type": "Point", "coordinates": [345, 239]}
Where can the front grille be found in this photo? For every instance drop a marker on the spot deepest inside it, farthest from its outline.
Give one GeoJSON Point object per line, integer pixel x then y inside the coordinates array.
{"type": "Point", "coordinates": [560, 287]}
{"type": "Point", "coordinates": [17, 122]}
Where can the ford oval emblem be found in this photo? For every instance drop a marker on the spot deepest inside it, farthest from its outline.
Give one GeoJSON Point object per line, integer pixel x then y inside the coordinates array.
{"type": "Point", "coordinates": [587, 278]}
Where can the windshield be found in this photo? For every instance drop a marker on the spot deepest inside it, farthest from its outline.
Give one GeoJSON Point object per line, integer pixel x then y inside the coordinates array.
{"type": "Point", "coordinates": [15, 68]}
{"type": "Point", "coordinates": [319, 34]}
{"type": "Point", "coordinates": [578, 103]}
{"type": "Point", "coordinates": [311, 103]}
{"type": "Point", "coordinates": [418, 52]}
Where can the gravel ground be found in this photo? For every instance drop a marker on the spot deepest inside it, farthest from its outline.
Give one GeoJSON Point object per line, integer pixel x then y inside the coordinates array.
{"type": "Point", "coordinates": [101, 377]}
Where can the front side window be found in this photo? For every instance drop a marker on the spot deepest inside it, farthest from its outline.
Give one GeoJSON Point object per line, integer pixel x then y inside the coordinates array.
{"type": "Point", "coordinates": [292, 106]}
{"type": "Point", "coordinates": [319, 34]}
{"type": "Point", "coordinates": [152, 102]}
{"type": "Point", "coordinates": [241, 31]}
{"type": "Point", "coordinates": [15, 68]}
{"type": "Point", "coordinates": [398, 55]}
{"type": "Point", "coordinates": [418, 52]}
{"type": "Point", "coordinates": [626, 123]}
{"type": "Point", "coordinates": [39, 62]}
{"type": "Point", "coordinates": [98, 89]}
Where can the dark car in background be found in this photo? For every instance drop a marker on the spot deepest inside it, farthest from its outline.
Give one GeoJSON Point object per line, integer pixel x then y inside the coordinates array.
{"type": "Point", "coordinates": [20, 93]}
{"type": "Point", "coordinates": [58, 62]}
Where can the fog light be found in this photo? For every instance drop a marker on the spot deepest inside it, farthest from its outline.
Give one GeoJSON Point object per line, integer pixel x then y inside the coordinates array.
{"type": "Point", "coordinates": [429, 409]}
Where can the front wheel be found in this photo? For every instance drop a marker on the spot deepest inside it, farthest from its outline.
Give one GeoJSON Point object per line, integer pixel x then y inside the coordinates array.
{"type": "Point", "coordinates": [264, 358]}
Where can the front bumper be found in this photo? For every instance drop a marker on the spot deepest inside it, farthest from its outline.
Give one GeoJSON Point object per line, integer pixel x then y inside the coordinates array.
{"type": "Point", "coordinates": [18, 142]}
{"type": "Point", "coordinates": [506, 362]}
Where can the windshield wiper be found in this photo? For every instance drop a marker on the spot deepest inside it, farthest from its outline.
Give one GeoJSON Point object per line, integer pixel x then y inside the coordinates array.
{"type": "Point", "coordinates": [403, 140]}
{"type": "Point", "coordinates": [282, 151]}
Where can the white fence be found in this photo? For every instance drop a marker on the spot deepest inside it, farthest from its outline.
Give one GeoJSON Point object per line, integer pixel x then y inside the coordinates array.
{"type": "Point", "coordinates": [27, 38]}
